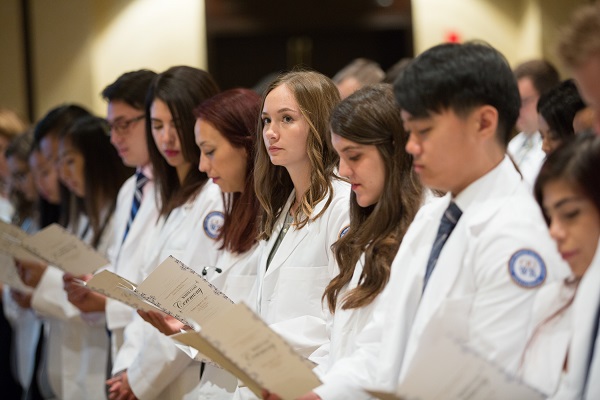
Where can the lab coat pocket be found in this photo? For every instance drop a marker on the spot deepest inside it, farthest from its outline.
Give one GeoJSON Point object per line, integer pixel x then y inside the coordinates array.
{"type": "Point", "coordinates": [238, 287]}
{"type": "Point", "coordinates": [451, 318]}
{"type": "Point", "coordinates": [298, 292]}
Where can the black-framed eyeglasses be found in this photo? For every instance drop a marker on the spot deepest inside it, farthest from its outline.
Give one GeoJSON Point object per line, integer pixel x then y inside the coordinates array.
{"type": "Point", "coordinates": [122, 126]}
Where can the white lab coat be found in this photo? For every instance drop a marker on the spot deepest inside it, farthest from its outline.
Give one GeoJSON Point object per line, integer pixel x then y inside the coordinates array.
{"type": "Point", "coordinates": [529, 161]}
{"type": "Point", "coordinates": [289, 292]}
{"type": "Point", "coordinates": [127, 256]}
{"type": "Point", "coordinates": [585, 308]}
{"type": "Point", "coordinates": [25, 324]}
{"type": "Point", "coordinates": [26, 328]}
{"type": "Point", "coordinates": [156, 367]}
{"type": "Point", "coordinates": [471, 282]}
{"type": "Point", "coordinates": [236, 280]}
{"type": "Point", "coordinates": [346, 324]}
{"type": "Point", "coordinates": [77, 343]}
{"type": "Point", "coordinates": [544, 358]}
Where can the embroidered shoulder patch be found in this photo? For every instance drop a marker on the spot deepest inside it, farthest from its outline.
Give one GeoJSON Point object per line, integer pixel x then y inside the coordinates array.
{"type": "Point", "coordinates": [213, 223]}
{"type": "Point", "coordinates": [527, 269]}
{"type": "Point", "coordinates": [343, 231]}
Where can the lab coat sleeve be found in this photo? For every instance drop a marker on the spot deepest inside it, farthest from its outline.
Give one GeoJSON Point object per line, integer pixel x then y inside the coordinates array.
{"type": "Point", "coordinates": [132, 343]}
{"type": "Point", "coordinates": [10, 307]}
{"type": "Point", "coordinates": [157, 365]}
{"type": "Point", "coordinates": [338, 221]}
{"type": "Point", "coordinates": [158, 362]}
{"type": "Point", "coordinates": [501, 307]}
{"type": "Point", "coordinates": [349, 375]}
{"type": "Point", "coordinates": [49, 299]}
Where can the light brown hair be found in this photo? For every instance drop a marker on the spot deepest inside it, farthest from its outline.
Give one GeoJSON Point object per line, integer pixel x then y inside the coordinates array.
{"type": "Point", "coordinates": [581, 38]}
{"type": "Point", "coordinates": [316, 96]}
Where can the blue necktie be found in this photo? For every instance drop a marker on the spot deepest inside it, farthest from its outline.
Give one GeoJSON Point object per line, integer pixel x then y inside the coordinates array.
{"type": "Point", "coordinates": [449, 221]}
{"type": "Point", "coordinates": [140, 181]}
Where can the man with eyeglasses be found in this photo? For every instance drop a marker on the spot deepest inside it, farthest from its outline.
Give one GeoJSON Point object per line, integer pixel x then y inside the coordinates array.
{"type": "Point", "coordinates": [136, 207]}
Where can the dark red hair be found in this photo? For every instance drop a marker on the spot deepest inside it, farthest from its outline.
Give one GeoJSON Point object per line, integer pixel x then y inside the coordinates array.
{"type": "Point", "coordinates": [234, 113]}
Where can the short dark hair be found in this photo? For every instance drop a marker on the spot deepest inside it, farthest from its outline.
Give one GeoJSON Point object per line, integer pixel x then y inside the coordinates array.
{"type": "Point", "coordinates": [131, 88]}
{"type": "Point", "coordinates": [460, 77]}
{"type": "Point", "coordinates": [558, 107]}
{"type": "Point", "coordinates": [577, 162]}
{"type": "Point", "coordinates": [57, 120]}
{"type": "Point", "coordinates": [543, 75]}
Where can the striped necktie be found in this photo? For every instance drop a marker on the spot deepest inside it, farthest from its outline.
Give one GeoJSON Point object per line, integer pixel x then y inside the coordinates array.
{"type": "Point", "coordinates": [140, 181]}
{"type": "Point", "coordinates": [449, 221]}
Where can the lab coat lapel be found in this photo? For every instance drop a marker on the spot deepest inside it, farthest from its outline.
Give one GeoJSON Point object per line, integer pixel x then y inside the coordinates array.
{"type": "Point", "coordinates": [584, 308]}
{"type": "Point", "coordinates": [452, 258]}
{"type": "Point", "coordinates": [268, 248]}
{"type": "Point", "coordinates": [403, 293]}
{"type": "Point", "coordinates": [446, 271]}
{"type": "Point", "coordinates": [291, 240]}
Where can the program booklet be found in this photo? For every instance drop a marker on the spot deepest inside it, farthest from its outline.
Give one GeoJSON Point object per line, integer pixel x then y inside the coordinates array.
{"type": "Point", "coordinates": [64, 250]}
{"type": "Point", "coordinates": [11, 243]}
{"type": "Point", "coordinates": [173, 288]}
{"type": "Point", "coordinates": [242, 343]}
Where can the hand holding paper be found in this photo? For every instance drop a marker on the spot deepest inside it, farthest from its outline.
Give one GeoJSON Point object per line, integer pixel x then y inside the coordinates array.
{"type": "Point", "coordinates": [116, 287]}
{"type": "Point", "coordinates": [242, 343]}
{"type": "Point", "coordinates": [181, 292]}
{"type": "Point", "coordinates": [30, 271]}
{"type": "Point", "coordinates": [22, 299]}
{"type": "Point", "coordinates": [82, 297]}
{"type": "Point", "coordinates": [64, 250]}
{"type": "Point", "coordinates": [11, 238]}
{"type": "Point", "coordinates": [166, 324]}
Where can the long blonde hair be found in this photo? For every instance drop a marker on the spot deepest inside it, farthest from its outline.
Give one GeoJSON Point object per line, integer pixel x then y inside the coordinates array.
{"type": "Point", "coordinates": [316, 96]}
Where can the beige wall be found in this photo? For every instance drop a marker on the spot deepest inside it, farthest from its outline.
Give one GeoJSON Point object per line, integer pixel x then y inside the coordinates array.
{"type": "Point", "coordinates": [520, 29]}
{"type": "Point", "coordinates": [62, 55]}
{"type": "Point", "coordinates": [80, 46]}
{"type": "Point", "coordinates": [75, 57]}
{"type": "Point", "coordinates": [154, 34]}
{"type": "Point", "coordinates": [12, 75]}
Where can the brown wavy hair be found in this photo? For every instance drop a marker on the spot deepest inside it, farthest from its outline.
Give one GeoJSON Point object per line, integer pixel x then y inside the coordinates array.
{"type": "Point", "coordinates": [234, 113]}
{"type": "Point", "coordinates": [316, 96]}
{"type": "Point", "coordinates": [371, 116]}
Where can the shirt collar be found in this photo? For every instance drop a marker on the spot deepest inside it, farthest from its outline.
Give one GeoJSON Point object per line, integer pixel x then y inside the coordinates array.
{"type": "Point", "coordinates": [481, 187]}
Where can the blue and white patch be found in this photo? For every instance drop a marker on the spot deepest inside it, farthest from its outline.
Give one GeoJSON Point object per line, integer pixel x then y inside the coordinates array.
{"type": "Point", "coordinates": [344, 231]}
{"type": "Point", "coordinates": [527, 269]}
{"type": "Point", "coordinates": [213, 223]}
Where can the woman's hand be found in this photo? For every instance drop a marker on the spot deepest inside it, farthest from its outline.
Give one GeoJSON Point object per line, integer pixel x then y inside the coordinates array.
{"type": "Point", "coordinates": [266, 395]}
{"type": "Point", "coordinates": [118, 387]}
{"type": "Point", "coordinates": [22, 299]}
{"type": "Point", "coordinates": [30, 272]}
{"type": "Point", "coordinates": [81, 297]}
{"type": "Point", "coordinates": [166, 324]}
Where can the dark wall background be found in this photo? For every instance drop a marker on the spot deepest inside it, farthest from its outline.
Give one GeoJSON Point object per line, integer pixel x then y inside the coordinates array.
{"type": "Point", "coordinates": [265, 36]}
